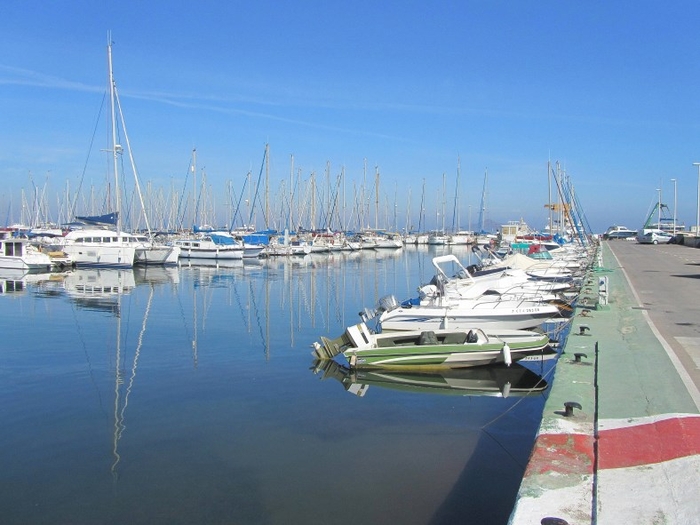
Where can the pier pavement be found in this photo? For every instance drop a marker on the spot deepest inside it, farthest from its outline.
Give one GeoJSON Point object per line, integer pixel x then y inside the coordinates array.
{"type": "Point", "coordinates": [627, 448]}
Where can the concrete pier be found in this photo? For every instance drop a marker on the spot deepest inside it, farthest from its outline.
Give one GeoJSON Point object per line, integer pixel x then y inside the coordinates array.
{"type": "Point", "coordinates": [619, 440]}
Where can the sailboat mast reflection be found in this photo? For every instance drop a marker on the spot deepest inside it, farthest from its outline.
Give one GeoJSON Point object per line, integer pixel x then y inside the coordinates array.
{"type": "Point", "coordinates": [120, 404]}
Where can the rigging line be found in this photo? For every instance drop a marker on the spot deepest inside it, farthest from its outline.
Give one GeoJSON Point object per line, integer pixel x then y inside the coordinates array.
{"type": "Point", "coordinates": [257, 189]}
{"type": "Point", "coordinates": [240, 305]}
{"type": "Point", "coordinates": [184, 321]}
{"type": "Point", "coordinates": [257, 315]}
{"type": "Point", "coordinates": [92, 140]}
{"type": "Point", "coordinates": [87, 359]}
{"type": "Point", "coordinates": [180, 218]}
{"type": "Point", "coordinates": [238, 205]}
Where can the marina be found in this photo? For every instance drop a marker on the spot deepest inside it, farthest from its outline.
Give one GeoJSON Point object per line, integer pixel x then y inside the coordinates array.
{"type": "Point", "coordinates": [326, 336]}
{"type": "Point", "coordinates": [172, 388]}
{"type": "Point", "coordinates": [188, 394]}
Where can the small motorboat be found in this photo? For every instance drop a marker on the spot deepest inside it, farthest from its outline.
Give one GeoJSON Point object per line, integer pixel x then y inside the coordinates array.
{"type": "Point", "coordinates": [431, 349]}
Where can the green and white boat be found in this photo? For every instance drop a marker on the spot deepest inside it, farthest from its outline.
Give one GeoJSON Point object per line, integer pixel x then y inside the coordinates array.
{"type": "Point", "coordinates": [432, 349]}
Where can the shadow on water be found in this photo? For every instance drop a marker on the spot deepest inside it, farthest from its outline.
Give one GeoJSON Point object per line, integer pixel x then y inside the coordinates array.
{"type": "Point", "coordinates": [500, 471]}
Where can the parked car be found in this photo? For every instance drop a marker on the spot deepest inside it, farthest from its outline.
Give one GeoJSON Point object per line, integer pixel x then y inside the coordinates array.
{"type": "Point", "coordinates": [655, 237]}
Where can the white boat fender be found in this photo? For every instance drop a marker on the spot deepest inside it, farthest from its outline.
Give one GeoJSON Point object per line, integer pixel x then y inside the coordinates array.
{"type": "Point", "coordinates": [506, 390]}
{"type": "Point", "coordinates": [507, 359]}
{"type": "Point", "coordinates": [443, 323]}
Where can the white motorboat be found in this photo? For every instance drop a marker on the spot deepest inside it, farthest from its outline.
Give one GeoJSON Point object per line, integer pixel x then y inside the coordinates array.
{"type": "Point", "coordinates": [205, 248]}
{"type": "Point", "coordinates": [538, 268]}
{"type": "Point", "coordinates": [619, 232]}
{"type": "Point", "coordinates": [20, 254]}
{"type": "Point", "coordinates": [452, 277]}
{"type": "Point", "coordinates": [491, 313]}
{"type": "Point", "coordinates": [453, 283]}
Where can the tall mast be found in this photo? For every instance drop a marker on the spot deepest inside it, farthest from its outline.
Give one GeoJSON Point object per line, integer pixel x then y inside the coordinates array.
{"type": "Point", "coordinates": [443, 203]}
{"type": "Point", "coordinates": [482, 211]}
{"type": "Point", "coordinates": [194, 187]}
{"type": "Point", "coordinates": [455, 218]}
{"type": "Point", "coordinates": [290, 224]}
{"type": "Point", "coordinates": [267, 186]}
{"type": "Point", "coordinates": [365, 211]}
{"type": "Point", "coordinates": [549, 184]}
{"type": "Point", "coordinates": [376, 199]}
{"type": "Point", "coordinates": [116, 149]}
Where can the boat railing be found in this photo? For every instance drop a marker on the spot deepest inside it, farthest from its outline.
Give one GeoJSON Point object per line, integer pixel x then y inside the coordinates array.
{"type": "Point", "coordinates": [496, 301]}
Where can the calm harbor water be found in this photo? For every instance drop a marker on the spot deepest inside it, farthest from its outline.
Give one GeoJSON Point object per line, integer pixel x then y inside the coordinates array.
{"type": "Point", "coordinates": [189, 395]}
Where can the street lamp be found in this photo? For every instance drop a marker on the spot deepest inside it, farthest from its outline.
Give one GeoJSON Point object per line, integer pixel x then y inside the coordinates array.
{"type": "Point", "coordinates": [697, 216]}
{"type": "Point", "coordinates": [675, 202]}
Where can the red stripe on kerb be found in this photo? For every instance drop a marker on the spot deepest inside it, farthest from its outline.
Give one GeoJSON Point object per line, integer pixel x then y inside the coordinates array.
{"type": "Point", "coordinates": [561, 453]}
{"type": "Point", "coordinates": [649, 443]}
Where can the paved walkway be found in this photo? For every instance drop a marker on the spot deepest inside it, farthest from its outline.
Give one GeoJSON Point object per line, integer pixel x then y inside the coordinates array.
{"type": "Point", "coordinates": [631, 452]}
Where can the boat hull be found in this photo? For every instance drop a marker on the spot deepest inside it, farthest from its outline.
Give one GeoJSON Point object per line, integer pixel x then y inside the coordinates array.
{"type": "Point", "coordinates": [444, 356]}
{"type": "Point", "coordinates": [489, 319]}
{"type": "Point", "coordinates": [430, 350]}
{"type": "Point", "coordinates": [221, 253]}
{"type": "Point", "coordinates": [16, 254]}
{"type": "Point", "coordinates": [101, 256]}
{"type": "Point", "coordinates": [157, 255]}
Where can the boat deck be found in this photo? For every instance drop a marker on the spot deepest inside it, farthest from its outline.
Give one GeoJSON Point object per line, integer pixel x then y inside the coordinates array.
{"type": "Point", "coordinates": [619, 441]}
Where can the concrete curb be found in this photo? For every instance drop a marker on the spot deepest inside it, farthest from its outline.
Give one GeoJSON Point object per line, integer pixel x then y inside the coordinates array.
{"type": "Point", "coordinates": [631, 453]}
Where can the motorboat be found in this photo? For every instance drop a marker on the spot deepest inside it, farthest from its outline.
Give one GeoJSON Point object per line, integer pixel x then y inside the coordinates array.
{"type": "Point", "coordinates": [619, 232]}
{"type": "Point", "coordinates": [430, 349]}
{"type": "Point", "coordinates": [452, 278]}
{"type": "Point", "coordinates": [453, 283]}
{"type": "Point", "coordinates": [491, 312]}
{"type": "Point", "coordinates": [538, 264]}
{"type": "Point", "coordinates": [20, 254]}
{"type": "Point", "coordinates": [207, 248]}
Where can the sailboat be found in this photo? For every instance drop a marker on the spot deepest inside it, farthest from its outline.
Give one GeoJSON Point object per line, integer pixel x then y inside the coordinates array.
{"type": "Point", "coordinates": [105, 244]}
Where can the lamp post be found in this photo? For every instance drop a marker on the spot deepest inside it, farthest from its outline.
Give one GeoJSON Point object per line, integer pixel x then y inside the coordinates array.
{"type": "Point", "coordinates": [675, 202]}
{"type": "Point", "coordinates": [658, 210]}
{"type": "Point", "coordinates": [697, 216]}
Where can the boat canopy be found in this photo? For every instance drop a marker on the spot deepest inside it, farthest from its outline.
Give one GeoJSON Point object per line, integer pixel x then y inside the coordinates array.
{"type": "Point", "coordinates": [108, 218]}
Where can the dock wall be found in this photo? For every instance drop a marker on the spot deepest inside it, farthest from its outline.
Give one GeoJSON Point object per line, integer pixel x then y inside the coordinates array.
{"type": "Point", "coordinates": [619, 440]}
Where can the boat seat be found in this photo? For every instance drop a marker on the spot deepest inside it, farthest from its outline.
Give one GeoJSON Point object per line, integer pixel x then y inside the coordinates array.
{"type": "Point", "coordinates": [386, 342]}
{"type": "Point", "coordinates": [428, 338]}
{"type": "Point", "coordinates": [455, 338]}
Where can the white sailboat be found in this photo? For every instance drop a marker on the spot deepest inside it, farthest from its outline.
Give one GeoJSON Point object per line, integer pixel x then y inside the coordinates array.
{"type": "Point", "coordinates": [113, 248]}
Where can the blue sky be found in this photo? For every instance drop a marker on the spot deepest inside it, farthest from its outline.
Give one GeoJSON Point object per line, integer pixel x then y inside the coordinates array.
{"type": "Point", "coordinates": [608, 89]}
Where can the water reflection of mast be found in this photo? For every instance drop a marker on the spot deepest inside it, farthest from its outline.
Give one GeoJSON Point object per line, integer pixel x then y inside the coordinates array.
{"type": "Point", "coordinates": [194, 323]}
{"type": "Point", "coordinates": [264, 334]}
{"type": "Point", "coordinates": [119, 414]}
